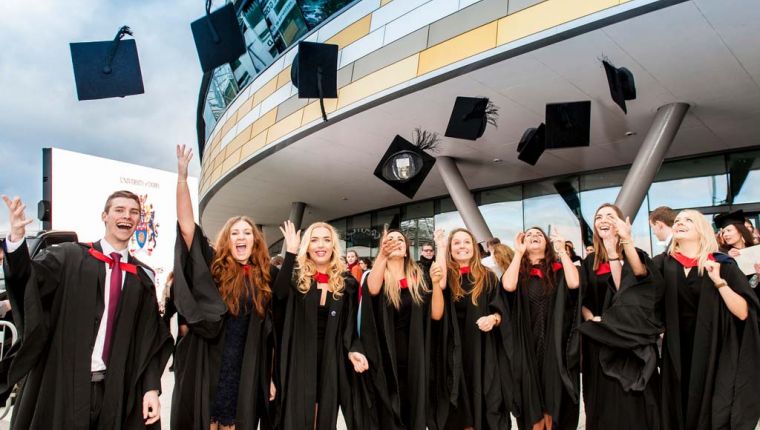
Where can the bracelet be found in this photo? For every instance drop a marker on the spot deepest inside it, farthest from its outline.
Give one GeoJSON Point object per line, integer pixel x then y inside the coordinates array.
{"type": "Point", "coordinates": [498, 319]}
{"type": "Point", "coordinates": [624, 242]}
{"type": "Point", "coordinates": [721, 284]}
{"type": "Point", "coordinates": [181, 180]}
{"type": "Point", "coordinates": [561, 253]}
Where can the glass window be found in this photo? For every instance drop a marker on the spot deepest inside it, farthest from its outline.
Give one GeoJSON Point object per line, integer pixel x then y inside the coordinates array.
{"type": "Point", "coordinates": [447, 217]}
{"type": "Point", "coordinates": [502, 210]}
{"type": "Point", "coordinates": [544, 206]}
{"type": "Point", "coordinates": [340, 226]}
{"type": "Point", "coordinates": [744, 176]}
{"type": "Point", "coordinates": [592, 199]}
{"type": "Point", "coordinates": [690, 184]}
{"type": "Point", "coordinates": [360, 235]}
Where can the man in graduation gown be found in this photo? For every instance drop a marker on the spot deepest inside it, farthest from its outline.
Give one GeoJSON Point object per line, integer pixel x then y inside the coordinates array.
{"type": "Point", "coordinates": [93, 344]}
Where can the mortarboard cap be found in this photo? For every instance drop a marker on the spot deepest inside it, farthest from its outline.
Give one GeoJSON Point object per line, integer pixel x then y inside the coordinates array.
{"type": "Point", "coordinates": [724, 220]}
{"type": "Point", "coordinates": [404, 166]}
{"type": "Point", "coordinates": [568, 124]}
{"type": "Point", "coordinates": [218, 38]}
{"type": "Point", "coordinates": [315, 72]}
{"type": "Point", "coordinates": [622, 85]}
{"type": "Point", "coordinates": [107, 69]}
{"type": "Point", "coordinates": [468, 118]}
{"type": "Point", "coordinates": [531, 145]}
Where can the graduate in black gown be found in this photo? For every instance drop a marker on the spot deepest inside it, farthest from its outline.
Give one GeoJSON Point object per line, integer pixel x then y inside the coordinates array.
{"type": "Point", "coordinates": [473, 315]}
{"type": "Point", "coordinates": [320, 321]}
{"type": "Point", "coordinates": [223, 364]}
{"type": "Point", "coordinates": [393, 348]}
{"type": "Point", "coordinates": [711, 347]}
{"type": "Point", "coordinates": [621, 293]}
{"type": "Point", "coordinates": [734, 236]}
{"type": "Point", "coordinates": [93, 346]}
{"type": "Point", "coordinates": [542, 291]}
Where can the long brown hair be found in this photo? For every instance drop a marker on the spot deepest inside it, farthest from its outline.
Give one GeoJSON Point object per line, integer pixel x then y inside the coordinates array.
{"type": "Point", "coordinates": [478, 272]}
{"type": "Point", "coordinates": [414, 277]}
{"type": "Point", "coordinates": [600, 252]}
{"type": "Point", "coordinates": [307, 268]}
{"type": "Point", "coordinates": [502, 255]}
{"type": "Point", "coordinates": [744, 235]}
{"type": "Point", "coordinates": [545, 265]}
{"type": "Point", "coordinates": [233, 281]}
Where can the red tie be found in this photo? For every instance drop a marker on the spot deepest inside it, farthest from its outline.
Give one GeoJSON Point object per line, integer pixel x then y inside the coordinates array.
{"type": "Point", "coordinates": [113, 302]}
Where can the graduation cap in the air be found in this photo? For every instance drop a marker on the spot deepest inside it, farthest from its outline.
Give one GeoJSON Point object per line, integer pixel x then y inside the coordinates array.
{"type": "Point", "coordinates": [218, 38]}
{"type": "Point", "coordinates": [107, 69]}
{"type": "Point", "coordinates": [532, 145]}
{"type": "Point", "coordinates": [470, 117]}
{"type": "Point", "coordinates": [315, 72]}
{"type": "Point", "coordinates": [404, 166]}
{"type": "Point", "coordinates": [726, 219]}
{"type": "Point", "coordinates": [622, 85]}
{"type": "Point", "coordinates": [568, 124]}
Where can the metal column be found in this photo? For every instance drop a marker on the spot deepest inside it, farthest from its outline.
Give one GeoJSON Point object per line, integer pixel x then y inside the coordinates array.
{"type": "Point", "coordinates": [463, 199]}
{"type": "Point", "coordinates": [649, 159]}
{"type": "Point", "coordinates": [296, 217]}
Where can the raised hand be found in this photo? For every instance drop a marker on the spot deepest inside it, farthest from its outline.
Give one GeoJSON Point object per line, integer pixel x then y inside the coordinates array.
{"type": "Point", "coordinates": [17, 218]}
{"type": "Point", "coordinates": [359, 361]}
{"type": "Point", "coordinates": [520, 246]}
{"type": "Point", "coordinates": [558, 242]}
{"type": "Point", "coordinates": [387, 246]}
{"type": "Point", "coordinates": [291, 236]}
{"type": "Point", "coordinates": [184, 155]}
{"type": "Point", "coordinates": [439, 237]}
{"type": "Point", "coordinates": [733, 252]}
{"type": "Point", "coordinates": [713, 271]}
{"type": "Point", "coordinates": [436, 273]}
{"type": "Point", "coordinates": [623, 228]}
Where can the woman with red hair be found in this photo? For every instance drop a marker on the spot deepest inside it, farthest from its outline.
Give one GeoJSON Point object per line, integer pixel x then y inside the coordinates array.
{"type": "Point", "coordinates": [223, 365]}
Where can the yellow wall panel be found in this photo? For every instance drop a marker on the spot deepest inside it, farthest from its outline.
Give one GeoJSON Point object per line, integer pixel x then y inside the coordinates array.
{"type": "Point", "coordinates": [382, 79]}
{"type": "Point", "coordinates": [285, 126]}
{"type": "Point", "coordinates": [312, 110]}
{"type": "Point", "coordinates": [253, 145]}
{"type": "Point", "coordinates": [265, 91]}
{"type": "Point", "coordinates": [240, 139]}
{"type": "Point", "coordinates": [458, 48]}
{"type": "Point", "coordinates": [231, 161]}
{"type": "Point", "coordinates": [264, 122]}
{"type": "Point", "coordinates": [546, 15]}
{"type": "Point", "coordinates": [283, 77]}
{"type": "Point", "coordinates": [228, 125]}
{"type": "Point", "coordinates": [384, 2]}
{"type": "Point", "coordinates": [245, 108]}
{"type": "Point", "coordinates": [352, 33]}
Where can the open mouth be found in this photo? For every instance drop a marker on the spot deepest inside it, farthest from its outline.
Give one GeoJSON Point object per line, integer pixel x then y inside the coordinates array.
{"type": "Point", "coordinates": [240, 248]}
{"type": "Point", "coordinates": [125, 226]}
{"type": "Point", "coordinates": [320, 253]}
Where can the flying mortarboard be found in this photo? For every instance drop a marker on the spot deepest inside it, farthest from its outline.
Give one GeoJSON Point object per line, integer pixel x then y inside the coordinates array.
{"type": "Point", "coordinates": [469, 118]}
{"type": "Point", "coordinates": [404, 166]}
{"type": "Point", "coordinates": [532, 145]}
{"type": "Point", "coordinates": [107, 69]}
{"type": "Point", "coordinates": [622, 85]}
{"type": "Point", "coordinates": [218, 38]}
{"type": "Point", "coordinates": [315, 72]}
{"type": "Point", "coordinates": [726, 219]}
{"type": "Point", "coordinates": [568, 124]}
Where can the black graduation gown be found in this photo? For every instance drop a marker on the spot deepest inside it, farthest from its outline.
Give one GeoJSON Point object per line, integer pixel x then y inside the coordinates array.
{"type": "Point", "coordinates": [379, 402]}
{"type": "Point", "coordinates": [58, 303]}
{"type": "Point", "coordinates": [724, 373]}
{"type": "Point", "coordinates": [552, 385]}
{"type": "Point", "coordinates": [620, 378]}
{"type": "Point", "coordinates": [298, 389]}
{"type": "Point", "coordinates": [198, 355]}
{"type": "Point", "coordinates": [470, 392]}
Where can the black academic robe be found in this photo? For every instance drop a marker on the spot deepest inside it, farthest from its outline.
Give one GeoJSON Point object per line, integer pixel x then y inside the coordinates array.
{"type": "Point", "coordinates": [298, 389]}
{"type": "Point", "coordinates": [620, 378]}
{"type": "Point", "coordinates": [379, 400]}
{"type": "Point", "coordinates": [724, 373]}
{"type": "Point", "coordinates": [558, 393]}
{"type": "Point", "coordinates": [58, 304]}
{"type": "Point", "coordinates": [198, 354]}
{"type": "Point", "coordinates": [470, 391]}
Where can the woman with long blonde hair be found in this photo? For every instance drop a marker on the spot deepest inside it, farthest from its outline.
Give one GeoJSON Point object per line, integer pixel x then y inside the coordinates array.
{"type": "Point", "coordinates": [318, 329]}
{"type": "Point", "coordinates": [398, 305]}
{"type": "Point", "coordinates": [473, 314]}
{"type": "Point", "coordinates": [223, 364]}
{"type": "Point", "coordinates": [621, 292]}
{"type": "Point", "coordinates": [712, 341]}
{"type": "Point", "coordinates": [541, 286]}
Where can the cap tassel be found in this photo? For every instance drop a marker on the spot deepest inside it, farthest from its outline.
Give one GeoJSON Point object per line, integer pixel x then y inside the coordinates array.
{"type": "Point", "coordinates": [214, 34]}
{"type": "Point", "coordinates": [123, 31]}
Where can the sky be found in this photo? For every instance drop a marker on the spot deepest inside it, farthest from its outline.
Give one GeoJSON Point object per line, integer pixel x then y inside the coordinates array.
{"type": "Point", "coordinates": [38, 103]}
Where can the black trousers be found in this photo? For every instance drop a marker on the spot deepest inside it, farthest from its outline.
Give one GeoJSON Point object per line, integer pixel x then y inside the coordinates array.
{"type": "Point", "coordinates": [96, 402]}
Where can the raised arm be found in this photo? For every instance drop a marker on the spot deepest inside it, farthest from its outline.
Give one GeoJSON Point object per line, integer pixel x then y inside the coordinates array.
{"type": "Point", "coordinates": [185, 216]}
{"type": "Point", "coordinates": [292, 238]}
{"type": "Point", "coordinates": [572, 277]}
{"type": "Point", "coordinates": [631, 256]}
{"type": "Point", "coordinates": [376, 276]}
{"type": "Point", "coordinates": [509, 278]}
{"type": "Point", "coordinates": [438, 276]}
{"type": "Point", "coordinates": [735, 303]}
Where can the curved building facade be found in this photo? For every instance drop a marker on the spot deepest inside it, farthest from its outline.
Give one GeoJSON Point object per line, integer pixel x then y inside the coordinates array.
{"type": "Point", "coordinates": [402, 63]}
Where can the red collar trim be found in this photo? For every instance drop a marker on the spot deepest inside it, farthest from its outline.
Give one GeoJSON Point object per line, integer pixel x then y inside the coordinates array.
{"type": "Point", "coordinates": [403, 284]}
{"type": "Point", "coordinates": [321, 278]}
{"type": "Point", "coordinates": [463, 270]}
{"type": "Point", "coordinates": [536, 272]}
{"type": "Point", "coordinates": [127, 267]}
{"type": "Point", "coordinates": [603, 268]}
{"type": "Point", "coordinates": [689, 262]}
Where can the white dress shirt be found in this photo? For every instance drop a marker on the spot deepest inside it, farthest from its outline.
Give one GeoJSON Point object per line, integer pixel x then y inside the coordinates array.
{"type": "Point", "coordinates": [97, 363]}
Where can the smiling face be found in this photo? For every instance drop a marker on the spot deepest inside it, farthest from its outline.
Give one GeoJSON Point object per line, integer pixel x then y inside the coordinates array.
{"type": "Point", "coordinates": [241, 241]}
{"type": "Point", "coordinates": [320, 246]}
{"type": "Point", "coordinates": [684, 228]}
{"type": "Point", "coordinates": [462, 248]}
{"type": "Point", "coordinates": [428, 252]}
{"type": "Point", "coordinates": [351, 257]}
{"type": "Point", "coordinates": [535, 241]}
{"type": "Point", "coordinates": [604, 222]}
{"type": "Point", "coordinates": [732, 236]}
{"type": "Point", "coordinates": [399, 241]}
{"type": "Point", "coordinates": [121, 220]}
